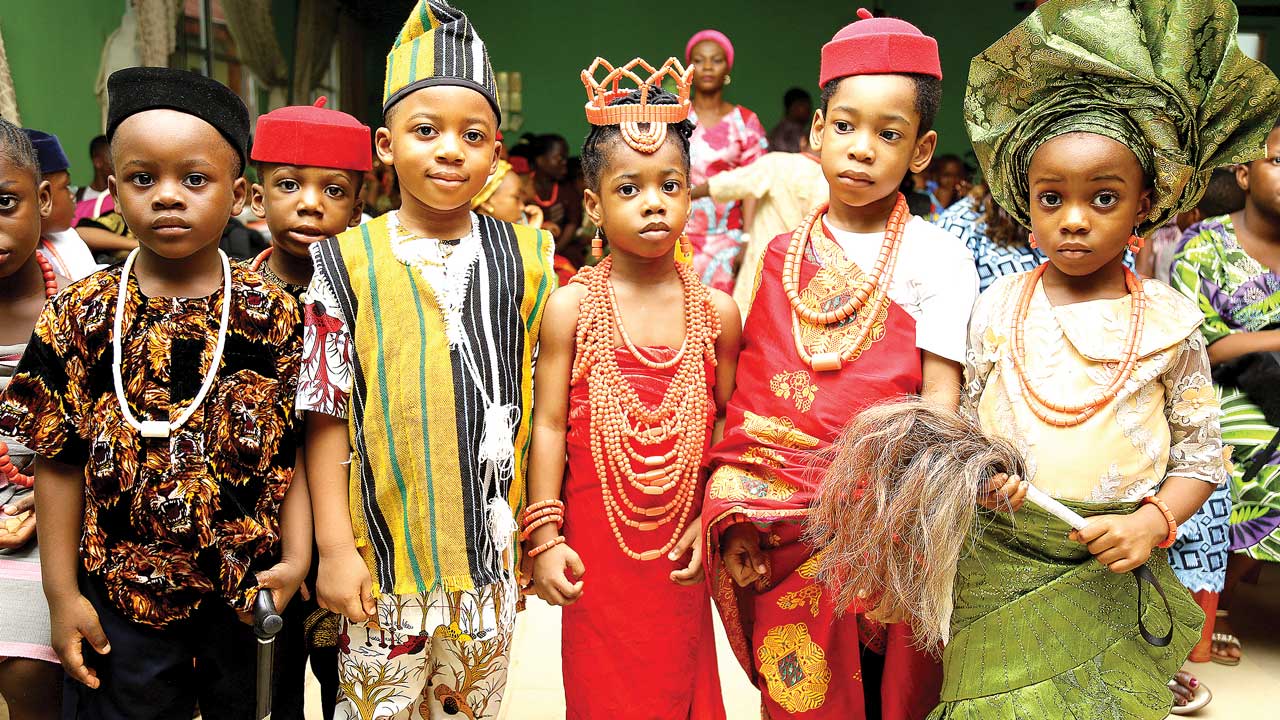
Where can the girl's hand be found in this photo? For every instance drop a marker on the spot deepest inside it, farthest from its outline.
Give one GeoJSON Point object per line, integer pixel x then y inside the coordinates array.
{"type": "Point", "coordinates": [21, 535]}
{"type": "Point", "coordinates": [691, 539]}
{"type": "Point", "coordinates": [344, 586]}
{"type": "Point", "coordinates": [283, 580]}
{"type": "Point", "coordinates": [741, 554]}
{"type": "Point", "coordinates": [1123, 542]}
{"type": "Point", "coordinates": [550, 579]}
{"type": "Point", "coordinates": [1004, 492]}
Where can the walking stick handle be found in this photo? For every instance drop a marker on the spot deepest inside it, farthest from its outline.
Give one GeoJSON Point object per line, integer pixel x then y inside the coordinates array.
{"type": "Point", "coordinates": [266, 621]}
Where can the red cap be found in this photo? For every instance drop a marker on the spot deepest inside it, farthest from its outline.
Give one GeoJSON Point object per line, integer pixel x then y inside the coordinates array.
{"type": "Point", "coordinates": [879, 46]}
{"type": "Point", "coordinates": [312, 136]}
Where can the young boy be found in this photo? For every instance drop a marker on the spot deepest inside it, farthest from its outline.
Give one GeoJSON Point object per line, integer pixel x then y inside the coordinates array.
{"type": "Point", "coordinates": [160, 406]}
{"type": "Point", "coordinates": [807, 372]}
{"type": "Point", "coordinates": [311, 162]}
{"type": "Point", "coordinates": [419, 346]}
{"type": "Point", "coordinates": [786, 186]}
{"type": "Point", "coordinates": [59, 243]}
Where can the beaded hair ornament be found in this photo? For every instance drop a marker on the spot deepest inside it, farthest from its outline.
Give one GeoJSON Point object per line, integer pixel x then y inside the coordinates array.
{"type": "Point", "coordinates": [644, 126]}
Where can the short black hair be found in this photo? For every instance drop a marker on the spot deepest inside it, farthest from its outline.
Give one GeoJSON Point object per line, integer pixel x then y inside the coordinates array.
{"type": "Point", "coordinates": [795, 95]}
{"type": "Point", "coordinates": [16, 148]}
{"type": "Point", "coordinates": [98, 143]}
{"type": "Point", "coordinates": [1222, 195]}
{"type": "Point", "coordinates": [595, 149]}
{"type": "Point", "coordinates": [928, 97]}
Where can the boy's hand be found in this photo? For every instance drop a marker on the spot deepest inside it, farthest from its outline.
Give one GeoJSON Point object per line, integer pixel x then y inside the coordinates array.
{"type": "Point", "coordinates": [741, 553]}
{"type": "Point", "coordinates": [550, 580]}
{"type": "Point", "coordinates": [1123, 542]}
{"type": "Point", "coordinates": [1004, 492]}
{"type": "Point", "coordinates": [344, 586]}
{"type": "Point", "coordinates": [21, 535]}
{"type": "Point", "coordinates": [283, 580]}
{"type": "Point", "coordinates": [690, 540]}
{"type": "Point", "coordinates": [70, 622]}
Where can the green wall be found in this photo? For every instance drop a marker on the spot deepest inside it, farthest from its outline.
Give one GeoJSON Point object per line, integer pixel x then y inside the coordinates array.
{"type": "Point", "coordinates": [54, 47]}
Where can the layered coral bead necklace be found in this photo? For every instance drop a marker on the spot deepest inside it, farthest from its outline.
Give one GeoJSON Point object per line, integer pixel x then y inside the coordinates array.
{"type": "Point", "coordinates": [626, 435]}
{"type": "Point", "coordinates": [869, 300]}
{"type": "Point", "coordinates": [1063, 414]}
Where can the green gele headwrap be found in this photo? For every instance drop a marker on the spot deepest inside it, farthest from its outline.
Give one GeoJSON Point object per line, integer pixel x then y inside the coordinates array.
{"type": "Point", "coordinates": [1164, 77]}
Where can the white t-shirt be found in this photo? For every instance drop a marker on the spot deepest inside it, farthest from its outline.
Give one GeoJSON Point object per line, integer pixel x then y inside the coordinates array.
{"type": "Point", "coordinates": [70, 257]}
{"type": "Point", "coordinates": [935, 281]}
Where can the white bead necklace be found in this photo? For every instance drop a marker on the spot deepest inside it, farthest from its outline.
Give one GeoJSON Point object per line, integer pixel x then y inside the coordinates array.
{"type": "Point", "coordinates": [163, 428]}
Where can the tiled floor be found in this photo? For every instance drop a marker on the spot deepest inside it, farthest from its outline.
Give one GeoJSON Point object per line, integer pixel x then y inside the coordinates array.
{"type": "Point", "coordinates": [1245, 692]}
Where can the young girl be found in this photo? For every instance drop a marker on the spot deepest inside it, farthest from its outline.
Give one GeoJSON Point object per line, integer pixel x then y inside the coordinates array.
{"type": "Point", "coordinates": [1101, 380]}
{"type": "Point", "coordinates": [30, 677]}
{"type": "Point", "coordinates": [629, 387]}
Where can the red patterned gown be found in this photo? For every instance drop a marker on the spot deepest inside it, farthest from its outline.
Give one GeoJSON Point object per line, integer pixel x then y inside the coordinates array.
{"type": "Point", "coordinates": [636, 646]}
{"type": "Point", "coordinates": [782, 414]}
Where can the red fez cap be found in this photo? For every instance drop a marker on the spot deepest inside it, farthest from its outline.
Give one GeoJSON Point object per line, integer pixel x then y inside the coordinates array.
{"type": "Point", "coordinates": [879, 46]}
{"type": "Point", "coordinates": [312, 136]}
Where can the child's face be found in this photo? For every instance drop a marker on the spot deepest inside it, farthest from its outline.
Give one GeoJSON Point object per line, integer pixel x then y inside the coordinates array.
{"type": "Point", "coordinates": [1261, 178]}
{"type": "Point", "coordinates": [303, 205]}
{"type": "Point", "coordinates": [23, 204]}
{"type": "Point", "coordinates": [507, 202]}
{"type": "Point", "coordinates": [64, 203]}
{"type": "Point", "coordinates": [868, 138]}
{"type": "Point", "coordinates": [1088, 192]}
{"type": "Point", "coordinates": [175, 181]}
{"type": "Point", "coordinates": [642, 203]}
{"type": "Point", "coordinates": [442, 142]}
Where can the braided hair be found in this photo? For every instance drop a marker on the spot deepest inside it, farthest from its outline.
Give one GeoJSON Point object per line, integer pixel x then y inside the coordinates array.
{"type": "Point", "coordinates": [16, 149]}
{"type": "Point", "coordinates": [602, 138]}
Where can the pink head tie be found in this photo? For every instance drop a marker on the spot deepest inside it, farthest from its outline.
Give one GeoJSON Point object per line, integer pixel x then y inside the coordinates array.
{"type": "Point", "coordinates": [714, 36]}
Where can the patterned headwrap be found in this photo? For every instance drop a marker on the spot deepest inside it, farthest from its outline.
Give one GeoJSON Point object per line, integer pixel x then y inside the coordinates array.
{"type": "Point", "coordinates": [1164, 77]}
{"type": "Point", "coordinates": [438, 46]}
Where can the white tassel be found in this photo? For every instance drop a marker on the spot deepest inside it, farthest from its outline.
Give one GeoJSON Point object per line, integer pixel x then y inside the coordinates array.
{"type": "Point", "coordinates": [502, 524]}
{"type": "Point", "coordinates": [497, 441]}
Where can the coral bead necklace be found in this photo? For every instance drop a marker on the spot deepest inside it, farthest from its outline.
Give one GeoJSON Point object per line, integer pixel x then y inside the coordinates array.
{"type": "Point", "coordinates": [1067, 414]}
{"type": "Point", "coordinates": [625, 433]}
{"type": "Point", "coordinates": [869, 300]}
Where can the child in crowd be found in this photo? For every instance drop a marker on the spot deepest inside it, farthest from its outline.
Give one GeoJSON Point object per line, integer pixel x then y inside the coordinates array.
{"type": "Point", "coordinates": [633, 404]}
{"type": "Point", "coordinates": [59, 242]}
{"type": "Point", "coordinates": [158, 398]}
{"type": "Point", "coordinates": [100, 158]}
{"type": "Point", "coordinates": [862, 303]}
{"type": "Point", "coordinates": [30, 679]}
{"type": "Point", "coordinates": [1099, 379]}
{"type": "Point", "coordinates": [785, 187]}
{"type": "Point", "coordinates": [417, 378]}
{"type": "Point", "coordinates": [1222, 196]}
{"type": "Point", "coordinates": [310, 163]}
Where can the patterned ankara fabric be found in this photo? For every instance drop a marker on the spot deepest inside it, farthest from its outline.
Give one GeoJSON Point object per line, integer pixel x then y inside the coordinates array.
{"type": "Point", "coordinates": [168, 522]}
{"type": "Point", "coordinates": [1237, 294]}
{"type": "Point", "coordinates": [428, 656]}
{"type": "Point", "coordinates": [1164, 77]}
{"type": "Point", "coordinates": [715, 228]}
{"type": "Point", "coordinates": [426, 512]}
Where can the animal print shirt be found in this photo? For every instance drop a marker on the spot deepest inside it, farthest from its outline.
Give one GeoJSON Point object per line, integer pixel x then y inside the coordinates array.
{"type": "Point", "coordinates": [168, 522]}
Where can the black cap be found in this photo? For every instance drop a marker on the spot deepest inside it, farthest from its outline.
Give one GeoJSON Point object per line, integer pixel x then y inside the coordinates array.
{"type": "Point", "coordinates": [137, 89]}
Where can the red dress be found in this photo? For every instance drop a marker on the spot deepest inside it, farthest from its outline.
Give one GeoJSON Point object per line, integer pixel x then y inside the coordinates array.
{"type": "Point", "coordinates": [804, 658]}
{"type": "Point", "coordinates": [635, 646]}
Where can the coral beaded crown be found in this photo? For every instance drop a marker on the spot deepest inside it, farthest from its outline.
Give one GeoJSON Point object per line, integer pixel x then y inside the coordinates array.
{"type": "Point", "coordinates": [644, 126]}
